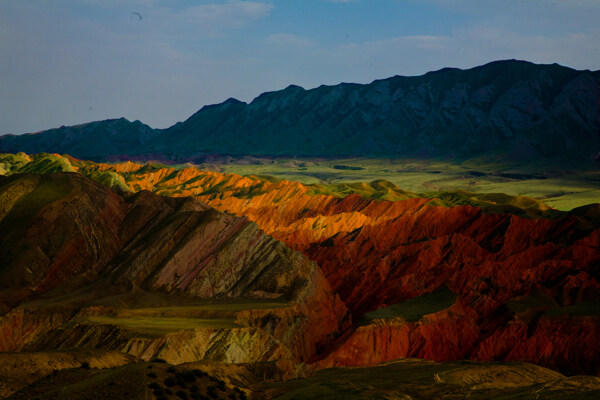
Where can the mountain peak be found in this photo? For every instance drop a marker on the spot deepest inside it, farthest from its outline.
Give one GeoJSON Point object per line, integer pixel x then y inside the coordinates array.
{"type": "Point", "coordinates": [294, 87]}
{"type": "Point", "coordinates": [447, 113]}
{"type": "Point", "coordinates": [232, 100]}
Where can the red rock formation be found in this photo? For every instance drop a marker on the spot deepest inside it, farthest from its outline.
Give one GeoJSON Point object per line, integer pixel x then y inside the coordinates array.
{"type": "Point", "coordinates": [378, 253]}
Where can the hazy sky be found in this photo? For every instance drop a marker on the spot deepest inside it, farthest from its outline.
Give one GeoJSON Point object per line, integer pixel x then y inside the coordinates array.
{"type": "Point", "coordinates": [64, 62]}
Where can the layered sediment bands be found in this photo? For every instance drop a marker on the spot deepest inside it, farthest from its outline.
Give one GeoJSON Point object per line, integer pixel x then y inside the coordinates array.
{"type": "Point", "coordinates": [22, 326]}
{"type": "Point", "coordinates": [561, 343]}
{"type": "Point", "coordinates": [446, 335]}
{"type": "Point", "coordinates": [237, 345]}
{"type": "Point", "coordinates": [20, 369]}
{"type": "Point", "coordinates": [74, 241]}
{"type": "Point", "coordinates": [554, 342]}
{"type": "Point", "coordinates": [376, 254]}
{"type": "Point", "coordinates": [512, 275]}
{"type": "Point", "coordinates": [379, 253]}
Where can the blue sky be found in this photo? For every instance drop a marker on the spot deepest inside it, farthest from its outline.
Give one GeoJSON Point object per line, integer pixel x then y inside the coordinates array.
{"type": "Point", "coordinates": [68, 62]}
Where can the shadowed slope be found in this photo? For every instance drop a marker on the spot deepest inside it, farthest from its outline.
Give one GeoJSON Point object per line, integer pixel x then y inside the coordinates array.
{"type": "Point", "coordinates": [378, 254]}
{"type": "Point", "coordinates": [70, 245]}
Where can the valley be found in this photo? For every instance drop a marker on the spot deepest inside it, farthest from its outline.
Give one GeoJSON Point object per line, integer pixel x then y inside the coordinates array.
{"type": "Point", "coordinates": [563, 189]}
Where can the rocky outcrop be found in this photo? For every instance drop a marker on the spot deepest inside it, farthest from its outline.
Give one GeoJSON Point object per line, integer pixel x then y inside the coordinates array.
{"type": "Point", "coordinates": [377, 253]}
{"type": "Point", "coordinates": [519, 274]}
{"type": "Point", "coordinates": [511, 108]}
{"type": "Point", "coordinates": [554, 342]}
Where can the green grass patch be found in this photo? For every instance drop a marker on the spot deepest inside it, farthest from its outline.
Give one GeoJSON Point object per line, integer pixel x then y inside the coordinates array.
{"type": "Point", "coordinates": [560, 189]}
{"type": "Point", "coordinates": [160, 326]}
{"type": "Point", "coordinates": [580, 309]}
{"type": "Point", "coordinates": [414, 309]}
{"type": "Point", "coordinates": [158, 321]}
{"type": "Point", "coordinates": [44, 163]}
{"type": "Point", "coordinates": [540, 302]}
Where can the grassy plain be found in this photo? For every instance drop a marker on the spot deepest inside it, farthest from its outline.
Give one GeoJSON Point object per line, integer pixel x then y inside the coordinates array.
{"type": "Point", "coordinates": [158, 321]}
{"type": "Point", "coordinates": [558, 186]}
{"type": "Point", "coordinates": [415, 308]}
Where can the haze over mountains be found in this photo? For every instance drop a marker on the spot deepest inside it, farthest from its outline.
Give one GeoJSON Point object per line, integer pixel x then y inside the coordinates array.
{"type": "Point", "coordinates": [512, 109]}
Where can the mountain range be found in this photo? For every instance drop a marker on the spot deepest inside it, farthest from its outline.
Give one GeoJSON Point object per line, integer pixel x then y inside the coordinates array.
{"type": "Point", "coordinates": [511, 109]}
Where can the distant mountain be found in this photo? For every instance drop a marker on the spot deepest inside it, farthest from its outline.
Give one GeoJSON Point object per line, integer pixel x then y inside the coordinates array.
{"type": "Point", "coordinates": [509, 108]}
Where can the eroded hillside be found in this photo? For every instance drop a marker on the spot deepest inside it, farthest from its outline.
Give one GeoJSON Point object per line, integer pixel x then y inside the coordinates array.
{"type": "Point", "coordinates": [153, 277]}
{"type": "Point", "coordinates": [453, 276]}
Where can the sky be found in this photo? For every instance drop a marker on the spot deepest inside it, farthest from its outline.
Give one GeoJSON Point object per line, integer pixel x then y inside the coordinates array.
{"type": "Point", "coordinates": [66, 62]}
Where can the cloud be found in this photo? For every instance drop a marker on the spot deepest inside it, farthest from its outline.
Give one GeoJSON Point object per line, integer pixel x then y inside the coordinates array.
{"type": "Point", "coordinates": [413, 55]}
{"type": "Point", "coordinates": [233, 14]}
{"type": "Point", "coordinates": [74, 61]}
{"type": "Point", "coordinates": [64, 65]}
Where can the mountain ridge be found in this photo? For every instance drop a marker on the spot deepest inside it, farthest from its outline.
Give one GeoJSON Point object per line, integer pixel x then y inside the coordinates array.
{"type": "Point", "coordinates": [458, 276]}
{"type": "Point", "coordinates": [514, 108]}
{"type": "Point", "coordinates": [78, 259]}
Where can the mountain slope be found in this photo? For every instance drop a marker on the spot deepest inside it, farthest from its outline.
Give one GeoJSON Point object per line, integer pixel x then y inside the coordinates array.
{"type": "Point", "coordinates": [510, 109]}
{"type": "Point", "coordinates": [451, 277]}
{"type": "Point", "coordinates": [85, 267]}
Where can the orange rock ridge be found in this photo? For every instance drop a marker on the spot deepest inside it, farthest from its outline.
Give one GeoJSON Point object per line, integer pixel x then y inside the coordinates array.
{"type": "Point", "coordinates": [378, 253]}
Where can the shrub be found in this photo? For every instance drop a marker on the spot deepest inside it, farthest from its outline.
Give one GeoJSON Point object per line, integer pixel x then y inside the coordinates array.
{"type": "Point", "coordinates": [170, 381]}
{"type": "Point", "coordinates": [182, 395]}
{"type": "Point", "coordinates": [199, 373]}
{"type": "Point", "coordinates": [187, 376]}
{"type": "Point", "coordinates": [211, 391]}
{"type": "Point", "coordinates": [181, 383]}
{"type": "Point", "coordinates": [152, 375]}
